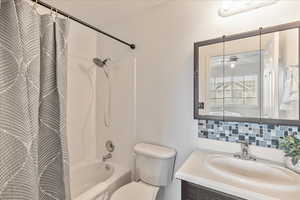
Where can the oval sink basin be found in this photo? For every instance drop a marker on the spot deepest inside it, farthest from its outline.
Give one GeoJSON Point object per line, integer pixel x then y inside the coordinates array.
{"type": "Point", "coordinates": [253, 172]}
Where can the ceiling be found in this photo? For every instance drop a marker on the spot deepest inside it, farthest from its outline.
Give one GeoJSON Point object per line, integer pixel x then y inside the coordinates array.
{"type": "Point", "coordinates": [104, 12]}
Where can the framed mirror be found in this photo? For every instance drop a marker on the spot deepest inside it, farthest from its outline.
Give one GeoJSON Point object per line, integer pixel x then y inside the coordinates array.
{"type": "Point", "coordinates": [210, 95]}
{"type": "Point", "coordinates": [249, 77]}
{"type": "Point", "coordinates": [280, 75]}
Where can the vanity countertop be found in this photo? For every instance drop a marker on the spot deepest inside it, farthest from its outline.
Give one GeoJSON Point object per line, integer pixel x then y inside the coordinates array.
{"type": "Point", "coordinates": [197, 170]}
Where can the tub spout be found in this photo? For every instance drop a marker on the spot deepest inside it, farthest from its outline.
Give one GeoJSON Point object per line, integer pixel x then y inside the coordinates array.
{"type": "Point", "coordinates": [106, 157]}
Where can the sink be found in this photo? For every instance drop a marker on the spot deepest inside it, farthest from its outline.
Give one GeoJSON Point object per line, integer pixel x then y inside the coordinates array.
{"type": "Point", "coordinates": [256, 173]}
{"type": "Point", "coordinates": [255, 180]}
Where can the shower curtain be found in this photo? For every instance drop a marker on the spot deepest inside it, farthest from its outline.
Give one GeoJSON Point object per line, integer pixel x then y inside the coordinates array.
{"type": "Point", "coordinates": [33, 149]}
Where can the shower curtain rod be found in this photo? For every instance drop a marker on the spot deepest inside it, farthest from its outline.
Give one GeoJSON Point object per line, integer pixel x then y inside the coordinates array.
{"type": "Point", "coordinates": [132, 46]}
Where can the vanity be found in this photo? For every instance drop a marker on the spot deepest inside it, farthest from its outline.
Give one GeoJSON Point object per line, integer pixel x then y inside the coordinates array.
{"type": "Point", "coordinates": [190, 191]}
{"type": "Point", "coordinates": [209, 175]}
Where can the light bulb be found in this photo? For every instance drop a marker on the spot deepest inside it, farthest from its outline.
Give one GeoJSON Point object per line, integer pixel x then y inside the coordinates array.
{"type": "Point", "coordinates": [232, 65]}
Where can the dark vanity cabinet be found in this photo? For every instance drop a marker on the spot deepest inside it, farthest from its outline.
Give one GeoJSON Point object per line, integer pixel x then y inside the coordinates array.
{"type": "Point", "coordinates": [190, 191]}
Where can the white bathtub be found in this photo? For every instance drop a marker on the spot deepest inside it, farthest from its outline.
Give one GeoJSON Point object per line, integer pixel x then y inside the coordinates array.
{"type": "Point", "coordinates": [97, 181]}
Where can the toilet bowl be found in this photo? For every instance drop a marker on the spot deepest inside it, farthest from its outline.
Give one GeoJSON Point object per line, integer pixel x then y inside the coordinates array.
{"type": "Point", "coordinates": [136, 191]}
{"type": "Point", "coordinates": [154, 167]}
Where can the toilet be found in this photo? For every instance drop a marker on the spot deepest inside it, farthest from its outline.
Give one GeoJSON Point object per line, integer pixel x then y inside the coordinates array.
{"type": "Point", "coordinates": [154, 167]}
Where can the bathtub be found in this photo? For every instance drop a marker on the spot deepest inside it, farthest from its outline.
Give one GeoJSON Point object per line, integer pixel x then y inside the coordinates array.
{"type": "Point", "coordinates": [97, 181]}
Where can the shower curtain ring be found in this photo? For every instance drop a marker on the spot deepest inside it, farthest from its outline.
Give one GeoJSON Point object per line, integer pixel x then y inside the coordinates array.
{"type": "Point", "coordinates": [56, 13]}
{"type": "Point", "coordinates": [52, 15]}
{"type": "Point", "coordinates": [35, 6]}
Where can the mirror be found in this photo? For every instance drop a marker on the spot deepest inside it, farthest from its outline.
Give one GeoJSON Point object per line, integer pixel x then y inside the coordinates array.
{"type": "Point", "coordinates": [211, 93]}
{"type": "Point", "coordinates": [242, 78]}
{"type": "Point", "coordinates": [249, 77]}
{"type": "Point", "coordinates": [280, 75]}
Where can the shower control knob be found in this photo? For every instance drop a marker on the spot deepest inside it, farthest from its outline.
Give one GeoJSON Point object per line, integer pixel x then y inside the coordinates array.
{"type": "Point", "coordinates": [110, 147]}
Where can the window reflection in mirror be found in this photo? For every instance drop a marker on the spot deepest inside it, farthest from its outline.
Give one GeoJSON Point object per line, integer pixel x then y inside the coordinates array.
{"type": "Point", "coordinates": [242, 78]}
{"type": "Point", "coordinates": [211, 80]}
{"type": "Point", "coordinates": [280, 72]}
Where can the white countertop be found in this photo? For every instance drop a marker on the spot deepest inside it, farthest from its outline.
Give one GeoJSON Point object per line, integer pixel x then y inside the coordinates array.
{"type": "Point", "coordinates": [194, 171]}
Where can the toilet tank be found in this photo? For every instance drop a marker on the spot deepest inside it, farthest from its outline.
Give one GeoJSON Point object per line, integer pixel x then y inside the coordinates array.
{"type": "Point", "coordinates": [154, 164]}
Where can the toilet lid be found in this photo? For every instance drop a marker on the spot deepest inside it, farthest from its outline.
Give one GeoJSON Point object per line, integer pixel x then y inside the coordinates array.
{"type": "Point", "coordinates": [136, 191]}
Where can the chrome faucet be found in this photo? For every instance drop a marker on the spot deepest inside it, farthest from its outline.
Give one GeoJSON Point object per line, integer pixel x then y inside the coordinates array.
{"type": "Point", "coordinates": [244, 154]}
{"type": "Point", "coordinates": [106, 157]}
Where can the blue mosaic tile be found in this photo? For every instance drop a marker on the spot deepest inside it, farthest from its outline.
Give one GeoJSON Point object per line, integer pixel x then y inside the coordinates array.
{"type": "Point", "coordinates": [263, 135]}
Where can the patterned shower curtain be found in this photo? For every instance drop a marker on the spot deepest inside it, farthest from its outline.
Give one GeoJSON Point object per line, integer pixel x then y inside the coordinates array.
{"type": "Point", "coordinates": [33, 149]}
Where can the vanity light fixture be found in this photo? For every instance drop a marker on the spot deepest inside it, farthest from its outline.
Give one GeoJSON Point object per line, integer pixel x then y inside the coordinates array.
{"type": "Point", "coordinates": [233, 7]}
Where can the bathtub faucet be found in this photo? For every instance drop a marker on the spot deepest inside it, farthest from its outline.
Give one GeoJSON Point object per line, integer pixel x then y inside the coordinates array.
{"type": "Point", "coordinates": [106, 157]}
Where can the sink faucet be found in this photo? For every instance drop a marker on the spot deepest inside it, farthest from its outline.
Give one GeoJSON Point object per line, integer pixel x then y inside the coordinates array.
{"type": "Point", "coordinates": [244, 154]}
{"type": "Point", "coordinates": [106, 157]}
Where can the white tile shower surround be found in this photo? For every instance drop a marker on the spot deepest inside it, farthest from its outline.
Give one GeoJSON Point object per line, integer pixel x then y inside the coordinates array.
{"type": "Point", "coordinates": [123, 105]}
{"type": "Point", "coordinates": [86, 94]}
{"type": "Point", "coordinates": [81, 95]}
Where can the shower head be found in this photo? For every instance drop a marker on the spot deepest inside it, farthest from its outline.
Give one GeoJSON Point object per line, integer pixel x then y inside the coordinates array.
{"type": "Point", "coordinates": [100, 63]}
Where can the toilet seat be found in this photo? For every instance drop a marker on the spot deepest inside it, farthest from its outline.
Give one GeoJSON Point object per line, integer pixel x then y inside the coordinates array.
{"type": "Point", "coordinates": [136, 191]}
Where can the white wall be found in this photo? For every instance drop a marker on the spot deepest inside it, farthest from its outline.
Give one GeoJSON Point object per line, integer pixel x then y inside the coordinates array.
{"type": "Point", "coordinates": [164, 36]}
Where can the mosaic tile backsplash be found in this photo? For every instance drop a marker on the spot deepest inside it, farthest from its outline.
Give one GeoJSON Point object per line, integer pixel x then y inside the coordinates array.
{"type": "Point", "coordinates": [262, 135]}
